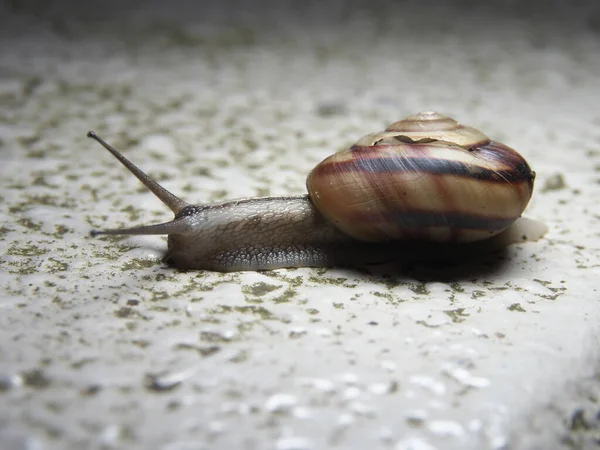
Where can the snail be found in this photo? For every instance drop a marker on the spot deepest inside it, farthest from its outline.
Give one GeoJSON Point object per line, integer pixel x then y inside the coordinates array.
{"type": "Point", "coordinates": [426, 183]}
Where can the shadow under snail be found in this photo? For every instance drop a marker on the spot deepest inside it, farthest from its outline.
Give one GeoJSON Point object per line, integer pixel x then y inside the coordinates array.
{"type": "Point", "coordinates": [425, 184]}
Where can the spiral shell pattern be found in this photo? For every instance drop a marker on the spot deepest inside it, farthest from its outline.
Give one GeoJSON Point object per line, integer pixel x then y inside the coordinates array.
{"type": "Point", "coordinates": [410, 182]}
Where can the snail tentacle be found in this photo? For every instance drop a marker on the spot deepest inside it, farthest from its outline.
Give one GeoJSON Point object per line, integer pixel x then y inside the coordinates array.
{"type": "Point", "coordinates": [174, 203]}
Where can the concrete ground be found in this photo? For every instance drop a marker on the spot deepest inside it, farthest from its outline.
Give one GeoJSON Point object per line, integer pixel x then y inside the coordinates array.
{"type": "Point", "coordinates": [102, 346]}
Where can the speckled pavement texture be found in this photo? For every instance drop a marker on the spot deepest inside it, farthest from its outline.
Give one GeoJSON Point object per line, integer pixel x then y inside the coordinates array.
{"type": "Point", "coordinates": [103, 346]}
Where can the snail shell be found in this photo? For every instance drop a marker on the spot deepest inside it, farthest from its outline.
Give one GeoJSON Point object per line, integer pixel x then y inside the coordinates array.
{"type": "Point", "coordinates": [425, 177]}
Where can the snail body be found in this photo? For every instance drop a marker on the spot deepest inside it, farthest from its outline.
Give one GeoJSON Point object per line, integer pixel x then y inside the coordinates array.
{"type": "Point", "coordinates": [426, 182]}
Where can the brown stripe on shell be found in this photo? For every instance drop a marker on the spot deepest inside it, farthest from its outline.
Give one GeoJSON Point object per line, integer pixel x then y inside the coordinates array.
{"type": "Point", "coordinates": [492, 162]}
{"type": "Point", "coordinates": [375, 195]}
{"type": "Point", "coordinates": [501, 155]}
{"type": "Point", "coordinates": [382, 220]}
{"type": "Point", "coordinates": [492, 155]}
{"type": "Point", "coordinates": [344, 196]}
{"type": "Point", "coordinates": [452, 203]}
{"type": "Point", "coordinates": [393, 204]}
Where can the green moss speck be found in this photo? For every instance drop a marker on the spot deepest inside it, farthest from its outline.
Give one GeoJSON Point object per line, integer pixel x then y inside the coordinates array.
{"type": "Point", "coordinates": [549, 297]}
{"type": "Point", "coordinates": [35, 378]}
{"type": "Point", "coordinates": [385, 295]}
{"type": "Point", "coordinates": [28, 249]}
{"type": "Point", "coordinates": [295, 282]}
{"type": "Point", "coordinates": [23, 267]}
{"type": "Point", "coordinates": [202, 350]}
{"type": "Point", "coordinates": [456, 287]}
{"type": "Point", "coordinates": [457, 315]}
{"type": "Point", "coordinates": [214, 336]}
{"type": "Point", "coordinates": [60, 230]}
{"type": "Point", "coordinates": [134, 214]}
{"type": "Point", "coordinates": [498, 288]}
{"type": "Point", "coordinates": [579, 422]}
{"type": "Point", "coordinates": [287, 296]}
{"type": "Point", "coordinates": [516, 307]}
{"type": "Point", "coordinates": [29, 224]}
{"type": "Point", "coordinates": [138, 263]}
{"type": "Point", "coordinates": [45, 200]}
{"type": "Point", "coordinates": [203, 287]}
{"type": "Point", "coordinates": [159, 295]}
{"type": "Point", "coordinates": [419, 288]}
{"type": "Point", "coordinates": [55, 265]}
{"type": "Point", "coordinates": [259, 289]}
{"type": "Point", "coordinates": [124, 312]}
{"type": "Point", "coordinates": [261, 311]}
{"type": "Point", "coordinates": [200, 172]}
{"type": "Point", "coordinates": [335, 281]}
